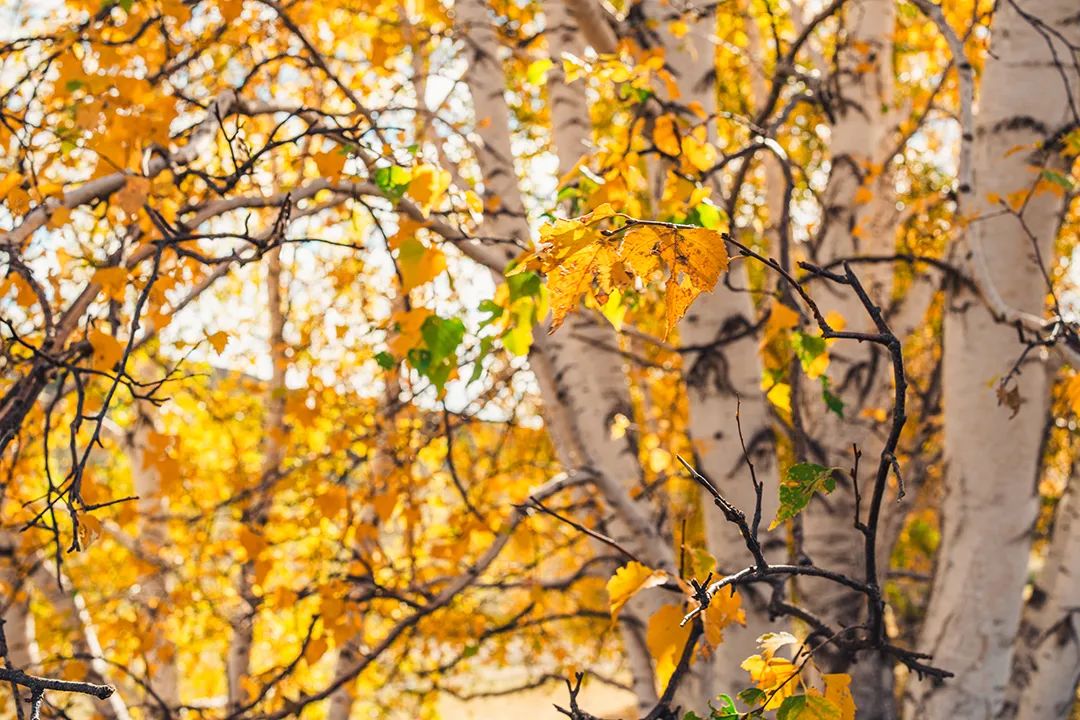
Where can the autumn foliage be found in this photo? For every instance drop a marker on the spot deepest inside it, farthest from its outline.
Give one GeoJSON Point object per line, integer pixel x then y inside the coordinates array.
{"type": "Point", "coordinates": [377, 358]}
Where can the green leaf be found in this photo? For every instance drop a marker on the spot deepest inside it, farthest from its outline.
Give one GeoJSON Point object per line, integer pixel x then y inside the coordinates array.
{"type": "Point", "coordinates": [791, 708]}
{"type": "Point", "coordinates": [386, 360]}
{"type": "Point", "coordinates": [1058, 179]}
{"type": "Point", "coordinates": [393, 180]}
{"type": "Point", "coordinates": [438, 359]}
{"type": "Point", "coordinates": [726, 711]}
{"type": "Point", "coordinates": [490, 306]}
{"type": "Point", "coordinates": [708, 215]}
{"type": "Point", "coordinates": [523, 284]}
{"type": "Point", "coordinates": [834, 403]}
{"type": "Point", "coordinates": [441, 336]}
{"type": "Point", "coordinates": [807, 707]}
{"type": "Point", "coordinates": [808, 348]}
{"type": "Point", "coordinates": [752, 696]}
{"type": "Point", "coordinates": [691, 715]}
{"type": "Point", "coordinates": [799, 485]}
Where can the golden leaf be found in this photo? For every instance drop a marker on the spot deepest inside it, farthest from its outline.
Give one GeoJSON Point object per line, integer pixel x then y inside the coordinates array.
{"type": "Point", "coordinates": [629, 580]}
{"type": "Point", "coordinates": [838, 692]}
{"type": "Point", "coordinates": [666, 136]}
{"type": "Point", "coordinates": [218, 340]}
{"type": "Point", "coordinates": [112, 281]}
{"type": "Point", "coordinates": [133, 195]}
{"type": "Point", "coordinates": [107, 350]}
{"type": "Point", "coordinates": [330, 163]}
{"type": "Point", "coordinates": [665, 639]}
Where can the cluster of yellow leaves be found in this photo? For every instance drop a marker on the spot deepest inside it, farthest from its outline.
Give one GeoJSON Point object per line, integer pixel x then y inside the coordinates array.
{"type": "Point", "coordinates": [582, 258]}
{"type": "Point", "coordinates": [780, 680]}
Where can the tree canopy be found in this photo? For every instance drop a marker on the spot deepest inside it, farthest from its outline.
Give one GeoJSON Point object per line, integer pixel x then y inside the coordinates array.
{"type": "Point", "coordinates": [360, 355]}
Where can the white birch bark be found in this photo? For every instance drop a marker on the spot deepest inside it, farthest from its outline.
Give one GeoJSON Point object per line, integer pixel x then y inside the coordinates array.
{"type": "Point", "coordinates": [1047, 663]}
{"type": "Point", "coordinates": [723, 376]}
{"type": "Point", "coordinates": [583, 387]}
{"type": "Point", "coordinates": [992, 454]}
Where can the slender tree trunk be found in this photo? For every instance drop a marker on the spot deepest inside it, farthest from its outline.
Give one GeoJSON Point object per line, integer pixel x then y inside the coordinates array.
{"type": "Point", "coordinates": [991, 450]}
{"type": "Point", "coordinates": [18, 621]}
{"type": "Point", "coordinates": [238, 661]}
{"type": "Point", "coordinates": [67, 600]}
{"type": "Point", "coordinates": [1047, 663]}
{"type": "Point", "coordinates": [164, 677]}
{"type": "Point", "coordinates": [859, 374]}
{"type": "Point", "coordinates": [723, 376]}
{"type": "Point", "coordinates": [582, 383]}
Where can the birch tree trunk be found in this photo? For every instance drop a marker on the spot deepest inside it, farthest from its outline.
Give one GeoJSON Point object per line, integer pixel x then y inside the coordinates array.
{"type": "Point", "coordinates": [238, 662]}
{"type": "Point", "coordinates": [583, 386]}
{"type": "Point", "coordinates": [723, 376]}
{"type": "Point", "coordinates": [992, 452]}
{"type": "Point", "coordinates": [1047, 664]}
{"type": "Point", "coordinates": [851, 226]}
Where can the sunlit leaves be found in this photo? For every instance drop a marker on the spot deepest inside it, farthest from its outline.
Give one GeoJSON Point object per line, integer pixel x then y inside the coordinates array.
{"type": "Point", "coordinates": [584, 259]}
{"type": "Point", "coordinates": [628, 581]}
{"type": "Point", "coordinates": [725, 609]}
{"type": "Point", "coordinates": [800, 483]}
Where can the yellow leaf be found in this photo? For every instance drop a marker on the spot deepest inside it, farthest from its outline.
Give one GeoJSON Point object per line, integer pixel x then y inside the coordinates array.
{"type": "Point", "coordinates": [428, 185]}
{"type": "Point", "coordinates": [678, 28]}
{"type": "Point", "coordinates": [666, 639]}
{"type": "Point", "coordinates": [701, 154]}
{"type": "Point", "coordinates": [10, 182]}
{"type": "Point", "coordinates": [863, 195]}
{"type": "Point", "coordinates": [315, 650]}
{"type": "Point", "coordinates": [407, 335]}
{"type": "Point", "coordinates": [780, 396]}
{"type": "Point", "coordinates": [781, 318]}
{"type": "Point", "coordinates": [330, 163]}
{"type": "Point", "coordinates": [218, 340]}
{"type": "Point", "coordinates": [112, 281]}
{"type": "Point", "coordinates": [59, 217]}
{"type": "Point", "coordinates": [773, 675]}
{"type": "Point", "coordinates": [666, 136]}
{"type": "Point", "coordinates": [838, 692]}
{"type": "Point", "coordinates": [418, 263]}
{"type": "Point", "coordinates": [107, 350]}
{"type": "Point", "coordinates": [230, 9]}
{"type": "Point", "coordinates": [725, 609]}
{"type": "Point", "coordinates": [133, 195]}
{"type": "Point", "coordinates": [628, 581]}
{"type": "Point", "coordinates": [90, 529]}
{"type": "Point", "coordinates": [537, 71]}
{"type": "Point", "coordinates": [252, 542]}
